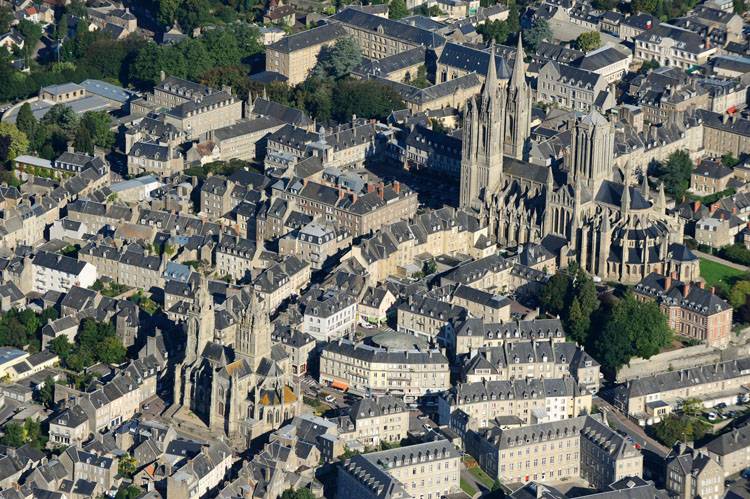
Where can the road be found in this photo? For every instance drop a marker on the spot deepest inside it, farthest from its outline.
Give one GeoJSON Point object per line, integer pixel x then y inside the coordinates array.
{"type": "Point", "coordinates": [621, 423]}
{"type": "Point", "coordinates": [720, 260]}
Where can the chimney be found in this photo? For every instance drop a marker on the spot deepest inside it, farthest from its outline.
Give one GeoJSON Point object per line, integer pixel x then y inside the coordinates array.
{"type": "Point", "coordinates": [370, 187]}
{"type": "Point", "coordinates": [696, 206]}
{"type": "Point", "coordinates": [702, 284]}
{"type": "Point", "coordinates": [162, 76]}
{"type": "Point", "coordinates": [686, 289]}
{"type": "Point", "coordinates": [397, 186]}
{"type": "Point", "coordinates": [667, 283]}
{"type": "Point", "coordinates": [713, 290]}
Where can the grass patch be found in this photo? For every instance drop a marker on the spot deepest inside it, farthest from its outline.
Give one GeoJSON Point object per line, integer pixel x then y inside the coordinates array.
{"type": "Point", "coordinates": [714, 272]}
{"type": "Point", "coordinates": [318, 407]}
{"type": "Point", "coordinates": [468, 488]}
{"type": "Point", "coordinates": [483, 477]}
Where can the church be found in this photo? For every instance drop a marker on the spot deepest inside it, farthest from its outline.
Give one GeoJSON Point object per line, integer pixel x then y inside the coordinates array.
{"type": "Point", "coordinates": [241, 386]}
{"type": "Point", "coordinates": [581, 207]}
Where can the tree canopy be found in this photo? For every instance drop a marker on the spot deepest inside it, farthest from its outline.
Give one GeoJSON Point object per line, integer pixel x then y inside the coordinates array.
{"type": "Point", "coordinates": [539, 31]}
{"type": "Point", "coordinates": [571, 294]}
{"type": "Point", "coordinates": [675, 173]}
{"type": "Point", "coordinates": [589, 41]}
{"type": "Point", "coordinates": [397, 9]}
{"type": "Point", "coordinates": [13, 142]}
{"type": "Point", "coordinates": [339, 60]}
{"type": "Point", "coordinates": [95, 342]}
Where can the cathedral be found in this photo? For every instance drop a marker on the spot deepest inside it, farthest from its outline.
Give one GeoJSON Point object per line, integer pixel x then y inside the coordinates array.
{"type": "Point", "coordinates": [580, 207]}
{"type": "Point", "coordinates": [240, 387]}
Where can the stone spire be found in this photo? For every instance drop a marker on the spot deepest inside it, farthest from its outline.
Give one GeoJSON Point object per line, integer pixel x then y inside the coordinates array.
{"type": "Point", "coordinates": [644, 187]}
{"type": "Point", "coordinates": [490, 82]}
{"type": "Point", "coordinates": [518, 77]}
{"type": "Point", "coordinates": [625, 197]}
{"type": "Point", "coordinates": [661, 199]}
{"type": "Point", "coordinates": [254, 332]}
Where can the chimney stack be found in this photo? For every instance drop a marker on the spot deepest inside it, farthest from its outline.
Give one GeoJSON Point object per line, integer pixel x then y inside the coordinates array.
{"type": "Point", "coordinates": [702, 284]}
{"type": "Point", "coordinates": [397, 186]}
{"type": "Point", "coordinates": [667, 283]}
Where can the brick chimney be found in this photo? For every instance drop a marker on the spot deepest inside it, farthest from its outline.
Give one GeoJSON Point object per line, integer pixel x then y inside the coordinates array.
{"type": "Point", "coordinates": [713, 290]}
{"type": "Point", "coordinates": [370, 187]}
{"type": "Point", "coordinates": [702, 284]}
{"type": "Point", "coordinates": [397, 187]}
{"type": "Point", "coordinates": [696, 206]}
{"type": "Point", "coordinates": [686, 289]}
{"type": "Point", "coordinates": [668, 283]}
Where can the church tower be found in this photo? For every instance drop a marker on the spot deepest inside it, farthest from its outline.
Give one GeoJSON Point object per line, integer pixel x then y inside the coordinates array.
{"type": "Point", "coordinates": [482, 155]}
{"type": "Point", "coordinates": [518, 108]}
{"type": "Point", "coordinates": [254, 333]}
{"type": "Point", "coordinates": [591, 151]}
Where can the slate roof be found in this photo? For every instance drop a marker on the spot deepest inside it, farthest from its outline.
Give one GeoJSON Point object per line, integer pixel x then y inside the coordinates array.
{"type": "Point", "coordinates": [388, 27]}
{"type": "Point", "coordinates": [690, 297]}
{"type": "Point", "coordinates": [308, 38]}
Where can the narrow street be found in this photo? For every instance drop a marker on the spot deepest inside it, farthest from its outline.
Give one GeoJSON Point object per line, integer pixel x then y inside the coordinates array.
{"type": "Point", "coordinates": [622, 423]}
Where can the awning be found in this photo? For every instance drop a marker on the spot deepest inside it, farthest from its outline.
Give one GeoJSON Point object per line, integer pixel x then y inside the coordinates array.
{"type": "Point", "coordinates": [732, 110]}
{"type": "Point", "coordinates": [339, 385]}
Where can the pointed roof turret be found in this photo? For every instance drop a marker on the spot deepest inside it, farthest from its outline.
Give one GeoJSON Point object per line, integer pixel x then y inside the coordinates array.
{"type": "Point", "coordinates": [645, 188]}
{"type": "Point", "coordinates": [519, 72]}
{"type": "Point", "coordinates": [490, 82]}
{"type": "Point", "coordinates": [661, 200]}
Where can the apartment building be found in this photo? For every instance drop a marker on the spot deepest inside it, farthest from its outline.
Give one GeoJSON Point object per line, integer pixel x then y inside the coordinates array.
{"type": "Point", "coordinates": [429, 318]}
{"type": "Point", "coordinates": [437, 152]}
{"type": "Point", "coordinates": [357, 213]}
{"type": "Point", "coordinates": [220, 194]}
{"type": "Point", "coordinates": [379, 37]}
{"type": "Point", "coordinates": [710, 177]}
{"type": "Point", "coordinates": [88, 466]}
{"type": "Point", "coordinates": [373, 420]}
{"type": "Point", "coordinates": [574, 88]}
{"type": "Point", "coordinates": [297, 345]}
{"type": "Point", "coordinates": [606, 61]}
{"type": "Point", "coordinates": [724, 133]}
{"type": "Point", "coordinates": [328, 314]}
{"type": "Point", "coordinates": [282, 280]}
{"type": "Point", "coordinates": [201, 473]}
{"type": "Point", "coordinates": [647, 400]}
{"type": "Point", "coordinates": [692, 473]}
{"type": "Point", "coordinates": [154, 157]}
{"type": "Point", "coordinates": [97, 215]}
{"type": "Point", "coordinates": [731, 450]}
{"type": "Point", "coordinates": [531, 401]}
{"type": "Point", "coordinates": [672, 46]}
{"type": "Point", "coordinates": [315, 243]}
{"type": "Point", "coordinates": [393, 247]}
{"type": "Point", "coordinates": [582, 447]}
{"type": "Point", "coordinates": [234, 257]}
{"type": "Point", "coordinates": [245, 139]}
{"type": "Point", "coordinates": [491, 307]}
{"type": "Point", "coordinates": [130, 265]}
{"type": "Point", "coordinates": [430, 470]}
{"type": "Point", "coordinates": [474, 334]}
{"type": "Point", "coordinates": [362, 367]}
{"type": "Point", "coordinates": [691, 309]}
{"type": "Point", "coordinates": [294, 56]}
{"type": "Point", "coordinates": [535, 359]}
{"type": "Point", "coordinates": [54, 272]}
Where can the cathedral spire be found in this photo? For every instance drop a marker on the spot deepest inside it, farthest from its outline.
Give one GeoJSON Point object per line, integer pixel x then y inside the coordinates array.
{"type": "Point", "coordinates": [661, 200]}
{"type": "Point", "coordinates": [519, 72]}
{"type": "Point", "coordinates": [490, 82]}
{"type": "Point", "coordinates": [625, 205]}
{"type": "Point", "coordinates": [644, 188]}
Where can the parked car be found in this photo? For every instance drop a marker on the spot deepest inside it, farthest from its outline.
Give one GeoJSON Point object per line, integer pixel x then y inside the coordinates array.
{"type": "Point", "coordinates": [712, 416]}
{"type": "Point", "coordinates": [330, 399]}
{"type": "Point", "coordinates": [745, 474]}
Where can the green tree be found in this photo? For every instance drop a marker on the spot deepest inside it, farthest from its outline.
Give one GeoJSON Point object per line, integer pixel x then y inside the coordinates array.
{"type": "Point", "coordinates": [6, 17]}
{"type": "Point", "coordinates": [679, 428]}
{"type": "Point", "coordinates": [83, 141]}
{"type": "Point", "coordinates": [127, 465]}
{"type": "Point", "coordinates": [14, 435]}
{"type": "Point", "coordinates": [63, 117]}
{"type": "Point", "coordinates": [31, 33]}
{"type": "Point", "coordinates": [193, 14]}
{"type": "Point", "coordinates": [740, 6]}
{"type": "Point", "coordinates": [364, 98]}
{"type": "Point", "coordinates": [397, 9]}
{"type": "Point", "coordinates": [47, 392]}
{"type": "Point", "coordinates": [554, 293]}
{"type": "Point", "coordinates": [339, 60]}
{"type": "Point", "coordinates": [200, 59]}
{"type": "Point", "coordinates": [61, 346]}
{"type": "Point", "coordinates": [61, 30]}
{"type": "Point", "coordinates": [514, 19]}
{"type": "Point", "coordinates": [127, 492]}
{"type": "Point", "coordinates": [99, 123]}
{"type": "Point", "coordinates": [167, 12]}
{"type": "Point", "coordinates": [13, 142]}
{"type": "Point", "coordinates": [420, 80]}
{"type": "Point", "coordinates": [222, 45]}
{"type": "Point", "coordinates": [496, 30]}
{"type": "Point", "coordinates": [303, 493]}
{"type": "Point", "coordinates": [675, 173]}
{"type": "Point", "coordinates": [25, 121]}
{"type": "Point", "coordinates": [539, 32]}
{"type": "Point", "coordinates": [589, 41]}
{"type": "Point", "coordinates": [738, 294]}
{"type": "Point", "coordinates": [110, 350]}
{"type": "Point", "coordinates": [691, 406]}
{"type": "Point", "coordinates": [728, 160]}
{"type": "Point", "coordinates": [572, 295]}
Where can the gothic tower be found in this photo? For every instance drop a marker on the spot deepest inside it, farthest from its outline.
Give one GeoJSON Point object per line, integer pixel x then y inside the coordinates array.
{"type": "Point", "coordinates": [254, 333]}
{"type": "Point", "coordinates": [482, 155]}
{"type": "Point", "coordinates": [591, 151]}
{"type": "Point", "coordinates": [518, 108]}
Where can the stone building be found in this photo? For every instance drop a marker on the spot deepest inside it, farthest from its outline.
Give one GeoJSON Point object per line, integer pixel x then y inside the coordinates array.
{"type": "Point", "coordinates": [691, 309]}
{"type": "Point", "coordinates": [582, 447]}
{"type": "Point", "coordinates": [241, 389]}
{"type": "Point", "coordinates": [374, 420]}
{"type": "Point", "coordinates": [731, 450]}
{"type": "Point", "coordinates": [692, 473]}
{"type": "Point", "coordinates": [430, 470]}
{"type": "Point", "coordinates": [295, 55]}
{"type": "Point", "coordinates": [616, 231]}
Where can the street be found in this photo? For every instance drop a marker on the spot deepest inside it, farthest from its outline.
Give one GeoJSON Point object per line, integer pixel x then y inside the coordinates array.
{"type": "Point", "coordinates": [621, 423]}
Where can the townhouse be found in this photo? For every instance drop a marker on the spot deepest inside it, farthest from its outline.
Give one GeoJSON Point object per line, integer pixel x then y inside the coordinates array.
{"type": "Point", "coordinates": [672, 46]}
{"type": "Point", "coordinates": [130, 265]}
{"type": "Point", "coordinates": [693, 473]}
{"type": "Point", "coordinates": [475, 333]}
{"type": "Point", "coordinates": [54, 272]}
{"type": "Point", "coordinates": [731, 450]}
{"type": "Point", "coordinates": [282, 280]}
{"type": "Point", "coordinates": [328, 314]}
{"type": "Point", "coordinates": [574, 88]}
{"type": "Point", "coordinates": [373, 420]}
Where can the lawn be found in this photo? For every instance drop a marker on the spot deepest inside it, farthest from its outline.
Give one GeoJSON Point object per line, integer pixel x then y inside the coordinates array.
{"type": "Point", "coordinates": [468, 488]}
{"type": "Point", "coordinates": [714, 272]}
{"type": "Point", "coordinates": [483, 477]}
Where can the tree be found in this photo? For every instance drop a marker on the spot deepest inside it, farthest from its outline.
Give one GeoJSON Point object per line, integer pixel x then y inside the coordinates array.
{"type": "Point", "coordinates": [728, 160]}
{"type": "Point", "coordinates": [648, 66]}
{"type": "Point", "coordinates": [63, 117]}
{"type": "Point", "coordinates": [339, 60]}
{"type": "Point", "coordinates": [99, 123]}
{"type": "Point", "coordinates": [47, 392]}
{"type": "Point", "coordinates": [631, 328]}
{"type": "Point", "coordinates": [675, 173]}
{"type": "Point", "coordinates": [420, 80]}
{"type": "Point", "coordinates": [83, 141]}
{"type": "Point", "coordinates": [679, 428]}
{"type": "Point", "coordinates": [514, 19]}
{"type": "Point", "coordinates": [61, 346]}
{"type": "Point", "coordinates": [25, 121]}
{"type": "Point", "coordinates": [303, 493]}
{"type": "Point", "coordinates": [193, 14]}
{"type": "Point", "coordinates": [61, 30]}
{"type": "Point", "coordinates": [30, 432]}
{"type": "Point", "coordinates": [13, 435]}
{"type": "Point", "coordinates": [740, 6]}
{"type": "Point", "coordinates": [539, 31]}
{"type": "Point", "coordinates": [494, 30]}
{"type": "Point", "coordinates": [200, 59]}
{"type": "Point", "coordinates": [110, 350]}
{"type": "Point", "coordinates": [6, 17]}
{"type": "Point", "coordinates": [13, 142]}
{"type": "Point", "coordinates": [222, 45]}
{"type": "Point", "coordinates": [127, 465]}
{"type": "Point", "coordinates": [364, 98]}
{"type": "Point", "coordinates": [127, 492]}
{"type": "Point", "coordinates": [31, 33]}
{"type": "Point", "coordinates": [167, 12]}
{"type": "Point", "coordinates": [571, 295]}
{"type": "Point", "coordinates": [738, 294]}
{"type": "Point", "coordinates": [589, 41]}
{"type": "Point", "coordinates": [691, 406]}
{"type": "Point", "coordinates": [554, 293]}
{"type": "Point", "coordinates": [397, 9]}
